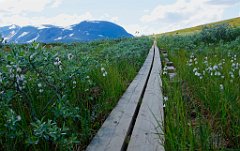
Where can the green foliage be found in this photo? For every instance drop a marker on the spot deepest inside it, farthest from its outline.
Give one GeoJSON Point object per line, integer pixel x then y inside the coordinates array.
{"type": "Point", "coordinates": [208, 36]}
{"type": "Point", "coordinates": [202, 108]}
{"type": "Point", "coordinates": [1, 41]}
{"type": "Point", "coordinates": [55, 97]}
{"type": "Point", "coordinates": [217, 33]}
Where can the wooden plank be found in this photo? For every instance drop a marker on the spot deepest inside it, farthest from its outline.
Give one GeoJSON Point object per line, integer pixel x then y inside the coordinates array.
{"type": "Point", "coordinates": [112, 134]}
{"type": "Point", "coordinates": [147, 134]}
{"type": "Point", "coordinates": [172, 75]}
{"type": "Point", "coordinates": [171, 69]}
{"type": "Point", "coordinates": [169, 63]}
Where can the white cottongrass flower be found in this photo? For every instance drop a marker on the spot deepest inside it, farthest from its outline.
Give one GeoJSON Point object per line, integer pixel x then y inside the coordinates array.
{"type": "Point", "coordinates": [19, 118]}
{"type": "Point", "coordinates": [197, 74]}
{"type": "Point", "coordinates": [189, 63]}
{"type": "Point", "coordinates": [215, 67]}
{"type": "Point", "coordinates": [70, 56]}
{"type": "Point", "coordinates": [231, 74]}
{"type": "Point", "coordinates": [60, 67]}
{"type": "Point", "coordinates": [192, 56]}
{"type": "Point", "coordinates": [105, 73]}
{"type": "Point", "coordinates": [1, 78]}
{"type": "Point", "coordinates": [31, 57]}
{"type": "Point", "coordinates": [209, 69]}
{"type": "Point", "coordinates": [74, 82]}
{"type": "Point", "coordinates": [19, 69]}
{"type": "Point", "coordinates": [221, 86]}
{"type": "Point", "coordinates": [57, 61]}
{"type": "Point", "coordinates": [217, 73]}
{"type": "Point", "coordinates": [165, 98]}
{"type": "Point", "coordinates": [39, 85]}
{"type": "Point", "coordinates": [102, 69]}
{"type": "Point", "coordinates": [165, 70]}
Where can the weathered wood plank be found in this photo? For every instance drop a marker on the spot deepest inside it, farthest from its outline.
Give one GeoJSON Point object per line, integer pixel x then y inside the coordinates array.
{"type": "Point", "coordinates": [169, 63]}
{"type": "Point", "coordinates": [147, 134]}
{"type": "Point", "coordinates": [172, 75]}
{"type": "Point", "coordinates": [114, 130]}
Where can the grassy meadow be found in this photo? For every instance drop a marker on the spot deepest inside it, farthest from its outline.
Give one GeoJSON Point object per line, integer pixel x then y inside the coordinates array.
{"type": "Point", "coordinates": [235, 22]}
{"type": "Point", "coordinates": [55, 97]}
{"type": "Point", "coordinates": [203, 100]}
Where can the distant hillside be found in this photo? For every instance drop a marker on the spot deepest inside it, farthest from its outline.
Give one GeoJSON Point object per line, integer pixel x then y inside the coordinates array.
{"type": "Point", "coordinates": [84, 31]}
{"type": "Point", "coordinates": [233, 22]}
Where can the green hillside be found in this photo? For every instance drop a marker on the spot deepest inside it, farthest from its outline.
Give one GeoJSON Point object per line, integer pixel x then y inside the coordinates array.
{"type": "Point", "coordinates": [233, 22]}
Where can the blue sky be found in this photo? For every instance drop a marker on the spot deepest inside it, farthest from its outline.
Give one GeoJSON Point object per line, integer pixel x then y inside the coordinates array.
{"type": "Point", "coordinates": [145, 16]}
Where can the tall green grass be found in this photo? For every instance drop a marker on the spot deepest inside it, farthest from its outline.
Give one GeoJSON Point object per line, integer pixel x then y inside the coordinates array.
{"type": "Point", "coordinates": [202, 111]}
{"type": "Point", "coordinates": [55, 97]}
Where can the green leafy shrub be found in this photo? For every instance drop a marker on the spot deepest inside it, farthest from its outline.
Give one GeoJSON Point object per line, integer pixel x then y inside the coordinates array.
{"type": "Point", "coordinates": [56, 96]}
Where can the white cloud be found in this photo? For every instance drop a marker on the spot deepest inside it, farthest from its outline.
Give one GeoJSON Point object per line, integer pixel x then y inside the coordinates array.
{"type": "Point", "coordinates": [18, 12]}
{"type": "Point", "coordinates": [56, 3]}
{"type": "Point", "coordinates": [13, 7]}
{"type": "Point", "coordinates": [186, 13]}
{"type": "Point", "coordinates": [60, 20]}
{"type": "Point", "coordinates": [108, 17]}
{"type": "Point", "coordinates": [183, 8]}
{"type": "Point", "coordinates": [223, 2]}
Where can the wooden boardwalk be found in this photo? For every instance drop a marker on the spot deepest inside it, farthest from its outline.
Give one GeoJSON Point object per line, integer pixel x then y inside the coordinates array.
{"type": "Point", "coordinates": [136, 123]}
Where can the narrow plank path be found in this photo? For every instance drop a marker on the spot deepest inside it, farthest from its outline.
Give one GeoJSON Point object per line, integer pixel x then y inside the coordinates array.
{"type": "Point", "coordinates": [147, 134]}
{"type": "Point", "coordinates": [138, 116]}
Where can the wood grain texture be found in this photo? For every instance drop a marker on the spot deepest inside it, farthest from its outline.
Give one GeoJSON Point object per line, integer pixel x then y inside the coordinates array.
{"type": "Point", "coordinates": [114, 130]}
{"type": "Point", "coordinates": [147, 134]}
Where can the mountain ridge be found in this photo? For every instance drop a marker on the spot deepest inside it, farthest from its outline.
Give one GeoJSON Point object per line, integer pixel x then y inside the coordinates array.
{"type": "Point", "coordinates": [83, 31]}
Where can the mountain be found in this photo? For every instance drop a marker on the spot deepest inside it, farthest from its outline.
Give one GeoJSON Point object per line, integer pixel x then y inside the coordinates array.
{"type": "Point", "coordinates": [84, 31]}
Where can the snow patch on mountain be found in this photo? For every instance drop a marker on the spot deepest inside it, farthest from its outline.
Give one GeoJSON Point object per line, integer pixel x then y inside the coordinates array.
{"type": "Point", "coordinates": [12, 33]}
{"type": "Point", "coordinates": [34, 39]}
{"type": "Point", "coordinates": [59, 38]}
{"type": "Point", "coordinates": [12, 27]}
{"type": "Point", "coordinates": [41, 27]}
{"type": "Point", "coordinates": [23, 34]}
{"type": "Point", "coordinates": [68, 28]}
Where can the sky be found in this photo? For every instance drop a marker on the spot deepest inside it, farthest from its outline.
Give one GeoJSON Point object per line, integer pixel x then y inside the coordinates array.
{"type": "Point", "coordinates": [145, 16]}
